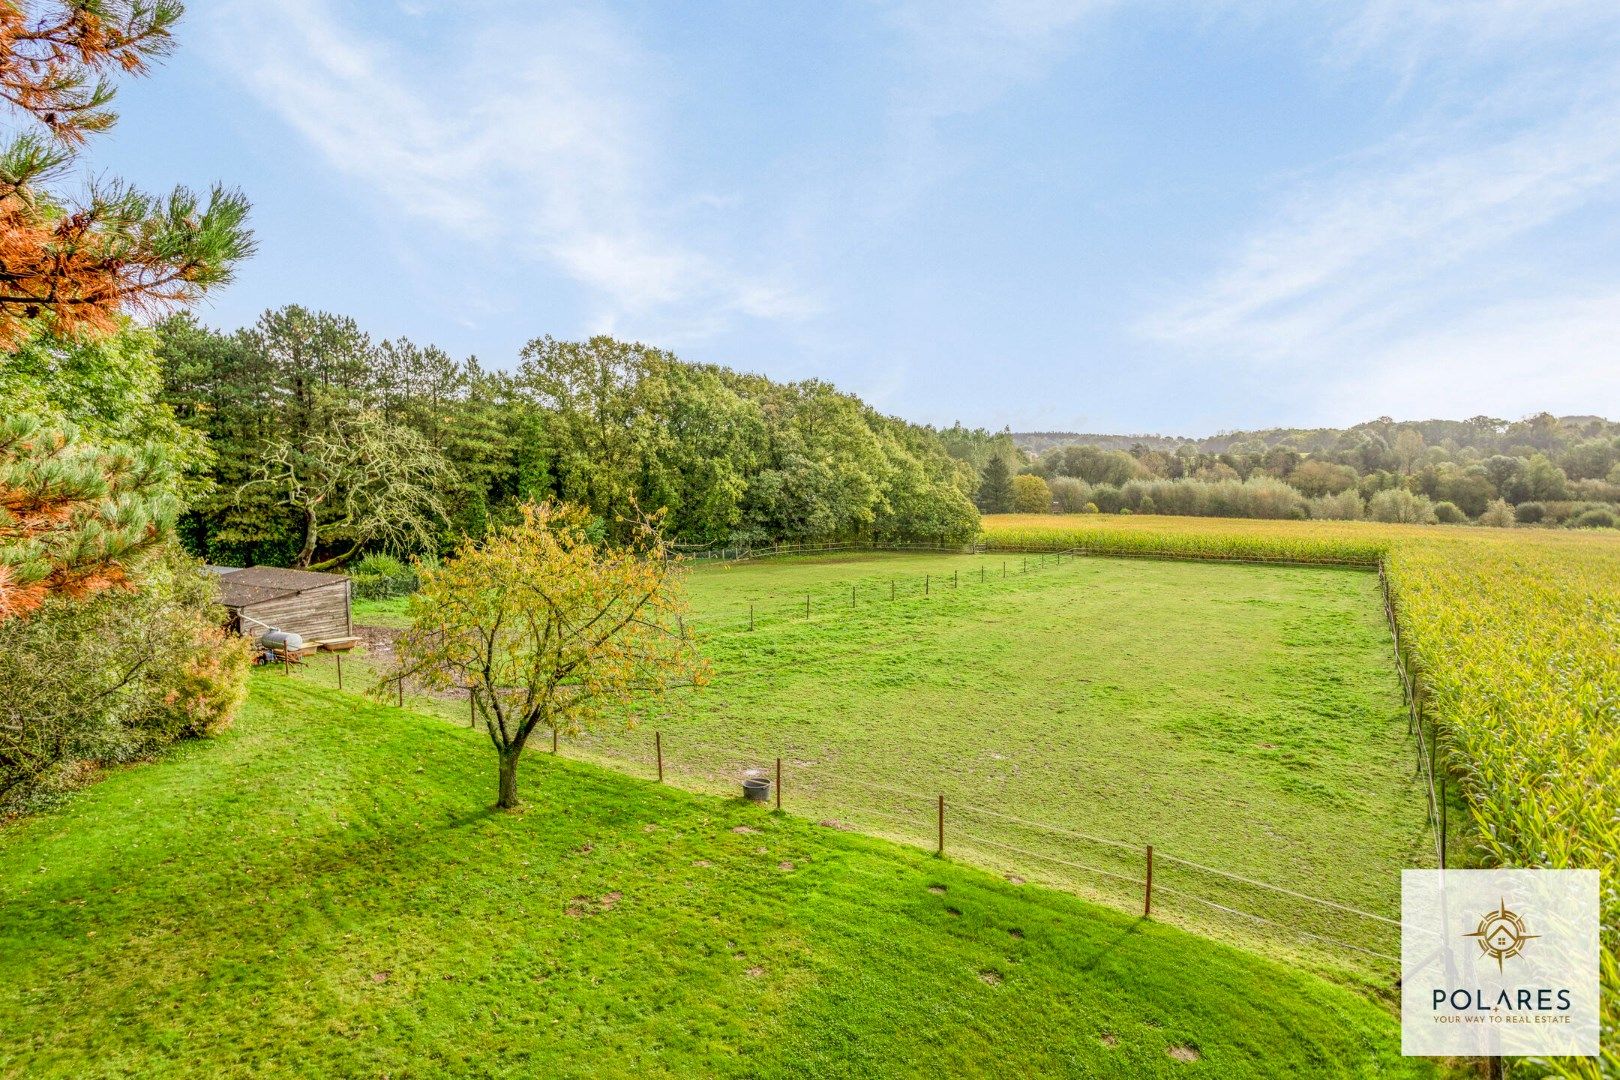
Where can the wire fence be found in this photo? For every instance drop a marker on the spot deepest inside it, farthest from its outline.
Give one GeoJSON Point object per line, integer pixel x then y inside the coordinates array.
{"type": "Point", "coordinates": [1134, 875]}
{"type": "Point", "coordinates": [1427, 745]}
{"type": "Point", "coordinates": [1131, 874]}
{"type": "Point", "coordinates": [831, 599]}
{"type": "Point", "coordinates": [989, 544]}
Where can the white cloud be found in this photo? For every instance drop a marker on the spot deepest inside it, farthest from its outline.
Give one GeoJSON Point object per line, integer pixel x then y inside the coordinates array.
{"type": "Point", "coordinates": [532, 136]}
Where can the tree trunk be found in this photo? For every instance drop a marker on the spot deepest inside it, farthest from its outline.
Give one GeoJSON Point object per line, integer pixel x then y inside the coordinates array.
{"type": "Point", "coordinates": [336, 560]}
{"type": "Point", "coordinates": [308, 551]}
{"type": "Point", "coordinates": [508, 796]}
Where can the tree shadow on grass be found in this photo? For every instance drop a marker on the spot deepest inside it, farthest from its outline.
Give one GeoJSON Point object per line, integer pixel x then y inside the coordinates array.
{"type": "Point", "coordinates": [1095, 957]}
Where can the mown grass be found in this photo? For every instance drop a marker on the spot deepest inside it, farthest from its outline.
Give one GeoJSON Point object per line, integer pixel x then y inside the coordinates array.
{"type": "Point", "coordinates": [1246, 718]}
{"type": "Point", "coordinates": [1513, 634]}
{"type": "Point", "coordinates": [323, 891]}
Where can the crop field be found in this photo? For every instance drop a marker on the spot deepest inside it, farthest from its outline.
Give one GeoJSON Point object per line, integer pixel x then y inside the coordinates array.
{"type": "Point", "coordinates": [1246, 718]}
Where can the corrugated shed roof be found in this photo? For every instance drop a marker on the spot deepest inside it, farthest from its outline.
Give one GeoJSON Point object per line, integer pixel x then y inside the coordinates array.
{"type": "Point", "coordinates": [256, 584]}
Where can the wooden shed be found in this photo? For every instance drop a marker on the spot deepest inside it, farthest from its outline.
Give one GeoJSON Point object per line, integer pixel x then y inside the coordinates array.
{"type": "Point", "coordinates": [262, 598]}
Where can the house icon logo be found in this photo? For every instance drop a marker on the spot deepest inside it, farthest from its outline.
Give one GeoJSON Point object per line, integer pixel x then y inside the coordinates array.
{"type": "Point", "coordinates": [1501, 934]}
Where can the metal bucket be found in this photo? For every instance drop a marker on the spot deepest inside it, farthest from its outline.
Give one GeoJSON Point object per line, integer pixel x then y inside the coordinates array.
{"type": "Point", "coordinates": [757, 789]}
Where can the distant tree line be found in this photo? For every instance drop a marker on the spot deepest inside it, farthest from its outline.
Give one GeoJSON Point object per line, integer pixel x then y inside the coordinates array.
{"type": "Point", "coordinates": [326, 444]}
{"type": "Point", "coordinates": [1543, 470]}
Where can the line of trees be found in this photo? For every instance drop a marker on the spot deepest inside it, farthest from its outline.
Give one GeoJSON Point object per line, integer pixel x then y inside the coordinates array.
{"type": "Point", "coordinates": [326, 444]}
{"type": "Point", "coordinates": [1543, 470]}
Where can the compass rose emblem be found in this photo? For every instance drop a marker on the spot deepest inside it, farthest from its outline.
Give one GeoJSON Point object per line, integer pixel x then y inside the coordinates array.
{"type": "Point", "coordinates": [1501, 934]}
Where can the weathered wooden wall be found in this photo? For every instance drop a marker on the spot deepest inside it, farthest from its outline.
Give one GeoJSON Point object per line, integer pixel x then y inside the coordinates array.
{"type": "Point", "coordinates": [316, 614]}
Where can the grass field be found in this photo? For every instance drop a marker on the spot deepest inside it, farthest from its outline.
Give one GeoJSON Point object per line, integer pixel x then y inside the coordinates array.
{"type": "Point", "coordinates": [1245, 718]}
{"type": "Point", "coordinates": [1511, 634]}
{"type": "Point", "coordinates": [323, 891]}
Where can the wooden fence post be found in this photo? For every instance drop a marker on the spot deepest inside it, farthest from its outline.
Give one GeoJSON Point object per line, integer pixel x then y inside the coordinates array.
{"type": "Point", "coordinates": [954, 581]}
{"type": "Point", "coordinates": [553, 740]}
{"type": "Point", "coordinates": [402, 691]}
{"type": "Point", "coordinates": [472, 708]}
{"type": "Point", "coordinates": [286, 661]}
{"type": "Point", "coordinates": [750, 618]}
{"type": "Point", "coordinates": [807, 605]}
{"type": "Point", "coordinates": [658, 747]}
{"type": "Point", "coordinates": [891, 588]}
{"type": "Point", "coordinates": [926, 579]}
{"type": "Point", "coordinates": [941, 850]}
{"type": "Point", "coordinates": [852, 596]}
{"type": "Point", "coordinates": [1147, 893]}
{"type": "Point", "coordinates": [779, 783]}
{"type": "Point", "coordinates": [340, 669]}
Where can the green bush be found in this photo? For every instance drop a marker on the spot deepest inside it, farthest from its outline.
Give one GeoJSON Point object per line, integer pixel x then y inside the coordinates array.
{"type": "Point", "coordinates": [1529, 513]}
{"type": "Point", "coordinates": [382, 565]}
{"type": "Point", "coordinates": [1031, 495]}
{"type": "Point", "coordinates": [382, 577]}
{"type": "Point", "coordinates": [114, 677]}
{"type": "Point", "coordinates": [1596, 519]}
{"type": "Point", "coordinates": [1449, 513]}
{"type": "Point", "coordinates": [1397, 505]}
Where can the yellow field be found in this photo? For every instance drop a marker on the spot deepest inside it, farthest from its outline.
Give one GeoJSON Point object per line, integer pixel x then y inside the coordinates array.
{"type": "Point", "coordinates": [1515, 635]}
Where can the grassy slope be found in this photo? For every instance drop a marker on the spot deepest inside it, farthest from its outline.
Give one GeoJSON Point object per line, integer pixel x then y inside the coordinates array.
{"type": "Point", "coordinates": [1244, 717]}
{"type": "Point", "coordinates": [322, 891]}
{"type": "Point", "coordinates": [1511, 633]}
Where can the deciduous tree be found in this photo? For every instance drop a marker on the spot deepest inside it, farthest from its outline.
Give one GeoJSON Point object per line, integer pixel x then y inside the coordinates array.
{"type": "Point", "coordinates": [365, 482]}
{"type": "Point", "coordinates": [546, 628]}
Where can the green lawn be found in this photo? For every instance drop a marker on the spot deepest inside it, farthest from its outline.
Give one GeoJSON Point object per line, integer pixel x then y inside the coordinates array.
{"type": "Point", "coordinates": [1246, 718]}
{"type": "Point", "coordinates": [323, 891]}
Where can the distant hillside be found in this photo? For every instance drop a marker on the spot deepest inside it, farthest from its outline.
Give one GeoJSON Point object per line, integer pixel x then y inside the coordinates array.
{"type": "Point", "coordinates": [1477, 431]}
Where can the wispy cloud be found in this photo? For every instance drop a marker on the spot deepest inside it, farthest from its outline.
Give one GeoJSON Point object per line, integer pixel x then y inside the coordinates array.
{"type": "Point", "coordinates": [959, 58]}
{"type": "Point", "coordinates": [1397, 258]}
{"type": "Point", "coordinates": [531, 136]}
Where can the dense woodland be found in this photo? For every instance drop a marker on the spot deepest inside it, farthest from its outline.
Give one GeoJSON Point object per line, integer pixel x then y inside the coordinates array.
{"type": "Point", "coordinates": [325, 443]}
{"type": "Point", "coordinates": [1543, 470]}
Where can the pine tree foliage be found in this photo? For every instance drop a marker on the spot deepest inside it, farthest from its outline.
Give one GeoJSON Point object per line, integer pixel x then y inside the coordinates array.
{"type": "Point", "coordinates": [996, 487]}
{"type": "Point", "coordinates": [71, 514]}
{"type": "Point", "coordinates": [76, 266]}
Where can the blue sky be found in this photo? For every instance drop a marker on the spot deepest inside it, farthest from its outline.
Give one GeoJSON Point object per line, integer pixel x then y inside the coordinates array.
{"type": "Point", "coordinates": [1146, 216]}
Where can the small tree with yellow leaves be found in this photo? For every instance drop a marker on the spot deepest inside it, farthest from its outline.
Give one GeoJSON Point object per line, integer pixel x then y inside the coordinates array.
{"type": "Point", "coordinates": [546, 627]}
